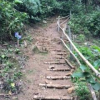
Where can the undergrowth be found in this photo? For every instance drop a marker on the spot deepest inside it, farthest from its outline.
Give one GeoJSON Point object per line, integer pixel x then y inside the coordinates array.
{"type": "Point", "coordinates": [11, 63]}
{"type": "Point", "coordinates": [84, 74]}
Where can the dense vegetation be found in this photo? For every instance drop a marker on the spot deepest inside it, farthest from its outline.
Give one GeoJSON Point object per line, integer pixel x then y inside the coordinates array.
{"type": "Point", "coordinates": [84, 20]}
{"type": "Point", "coordinates": [13, 14]}
{"type": "Point", "coordinates": [10, 19]}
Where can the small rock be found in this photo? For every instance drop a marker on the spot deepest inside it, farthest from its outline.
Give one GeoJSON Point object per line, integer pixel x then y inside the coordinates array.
{"type": "Point", "coordinates": [70, 90]}
{"type": "Point", "coordinates": [45, 22]}
{"type": "Point", "coordinates": [51, 67]}
{"type": "Point", "coordinates": [14, 98]}
{"type": "Point", "coordinates": [25, 44]}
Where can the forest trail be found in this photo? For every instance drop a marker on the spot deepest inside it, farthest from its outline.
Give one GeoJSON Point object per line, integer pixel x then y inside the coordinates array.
{"type": "Point", "coordinates": [47, 75]}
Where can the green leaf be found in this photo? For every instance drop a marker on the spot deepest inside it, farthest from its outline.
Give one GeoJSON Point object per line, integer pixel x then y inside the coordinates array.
{"type": "Point", "coordinates": [86, 74]}
{"type": "Point", "coordinates": [83, 68]}
{"type": "Point", "coordinates": [96, 48]}
{"type": "Point", "coordinates": [96, 86]}
{"type": "Point", "coordinates": [18, 1]}
{"type": "Point", "coordinates": [77, 75]}
{"type": "Point", "coordinates": [3, 56]}
{"type": "Point", "coordinates": [97, 63]}
{"type": "Point", "coordinates": [91, 80]}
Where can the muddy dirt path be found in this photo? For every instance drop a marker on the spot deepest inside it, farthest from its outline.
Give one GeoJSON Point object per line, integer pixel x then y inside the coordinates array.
{"type": "Point", "coordinates": [46, 75]}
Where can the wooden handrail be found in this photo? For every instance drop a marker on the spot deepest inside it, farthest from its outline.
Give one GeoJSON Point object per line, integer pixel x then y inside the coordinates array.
{"type": "Point", "coordinates": [63, 17]}
{"type": "Point", "coordinates": [71, 52]}
{"type": "Point", "coordinates": [75, 48]}
{"type": "Point", "coordinates": [92, 92]}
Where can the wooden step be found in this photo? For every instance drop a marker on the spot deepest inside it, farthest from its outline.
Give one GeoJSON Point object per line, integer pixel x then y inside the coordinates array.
{"type": "Point", "coordinates": [57, 86]}
{"type": "Point", "coordinates": [58, 50]}
{"type": "Point", "coordinates": [59, 57]}
{"type": "Point", "coordinates": [58, 77]}
{"type": "Point", "coordinates": [61, 53]}
{"type": "Point", "coordinates": [37, 97]}
{"type": "Point", "coordinates": [59, 69]}
{"type": "Point", "coordinates": [55, 62]}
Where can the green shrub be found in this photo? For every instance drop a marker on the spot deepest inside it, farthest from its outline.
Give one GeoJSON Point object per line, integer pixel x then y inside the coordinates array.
{"type": "Point", "coordinates": [88, 24]}
{"type": "Point", "coordinates": [31, 7]}
{"type": "Point", "coordinates": [49, 7]}
{"type": "Point", "coordinates": [11, 20]}
{"type": "Point", "coordinates": [82, 91]}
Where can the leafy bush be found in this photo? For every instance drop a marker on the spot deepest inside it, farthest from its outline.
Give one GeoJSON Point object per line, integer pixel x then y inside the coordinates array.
{"type": "Point", "coordinates": [82, 91]}
{"type": "Point", "coordinates": [88, 24]}
{"type": "Point", "coordinates": [10, 20]}
{"type": "Point", "coordinates": [10, 70]}
{"type": "Point", "coordinates": [49, 7]}
{"type": "Point", "coordinates": [31, 7]}
{"type": "Point", "coordinates": [37, 9]}
{"type": "Point", "coordinates": [92, 54]}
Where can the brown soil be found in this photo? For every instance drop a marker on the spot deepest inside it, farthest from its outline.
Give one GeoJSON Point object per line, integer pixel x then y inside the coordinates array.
{"type": "Point", "coordinates": [46, 39]}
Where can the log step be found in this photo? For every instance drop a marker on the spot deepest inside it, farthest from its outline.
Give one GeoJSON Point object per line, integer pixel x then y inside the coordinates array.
{"type": "Point", "coordinates": [59, 57]}
{"type": "Point", "coordinates": [57, 77]}
{"type": "Point", "coordinates": [54, 62]}
{"type": "Point", "coordinates": [59, 69]}
{"type": "Point", "coordinates": [59, 50]}
{"type": "Point", "coordinates": [57, 86]}
{"type": "Point", "coordinates": [36, 97]}
{"type": "Point", "coordinates": [61, 53]}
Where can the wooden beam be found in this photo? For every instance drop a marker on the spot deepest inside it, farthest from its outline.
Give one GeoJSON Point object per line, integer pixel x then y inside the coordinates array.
{"type": "Point", "coordinates": [52, 97]}
{"type": "Point", "coordinates": [58, 77]}
{"type": "Point", "coordinates": [54, 62]}
{"type": "Point", "coordinates": [92, 92]}
{"type": "Point", "coordinates": [61, 53]}
{"type": "Point", "coordinates": [71, 52]}
{"type": "Point", "coordinates": [59, 50]}
{"type": "Point", "coordinates": [57, 86]}
{"type": "Point", "coordinates": [60, 57]}
{"type": "Point", "coordinates": [59, 69]}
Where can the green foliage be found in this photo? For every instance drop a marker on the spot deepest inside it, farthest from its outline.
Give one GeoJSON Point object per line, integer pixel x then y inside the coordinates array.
{"type": "Point", "coordinates": [10, 70]}
{"type": "Point", "coordinates": [87, 24]}
{"type": "Point", "coordinates": [37, 9]}
{"type": "Point", "coordinates": [81, 37]}
{"type": "Point", "coordinates": [82, 91]}
{"type": "Point", "coordinates": [31, 7]}
{"type": "Point", "coordinates": [92, 54]}
{"type": "Point", "coordinates": [49, 7]}
{"type": "Point", "coordinates": [11, 20]}
{"type": "Point", "coordinates": [13, 13]}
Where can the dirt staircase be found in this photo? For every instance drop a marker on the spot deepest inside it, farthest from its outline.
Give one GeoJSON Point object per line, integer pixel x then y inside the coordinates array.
{"type": "Point", "coordinates": [58, 80]}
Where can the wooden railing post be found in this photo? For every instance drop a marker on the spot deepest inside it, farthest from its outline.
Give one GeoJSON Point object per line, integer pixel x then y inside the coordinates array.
{"type": "Point", "coordinates": [70, 36]}
{"type": "Point", "coordinates": [92, 92]}
{"type": "Point", "coordinates": [58, 23]}
{"type": "Point", "coordinates": [99, 95]}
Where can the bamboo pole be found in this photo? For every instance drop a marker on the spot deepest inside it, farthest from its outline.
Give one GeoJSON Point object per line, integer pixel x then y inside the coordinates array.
{"type": "Point", "coordinates": [92, 92]}
{"type": "Point", "coordinates": [64, 21]}
{"type": "Point", "coordinates": [62, 17]}
{"type": "Point", "coordinates": [58, 23]}
{"type": "Point", "coordinates": [71, 52]}
{"type": "Point", "coordinates": [70, 36]}
{"type": "Point", "coordinates": [84, 59]}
